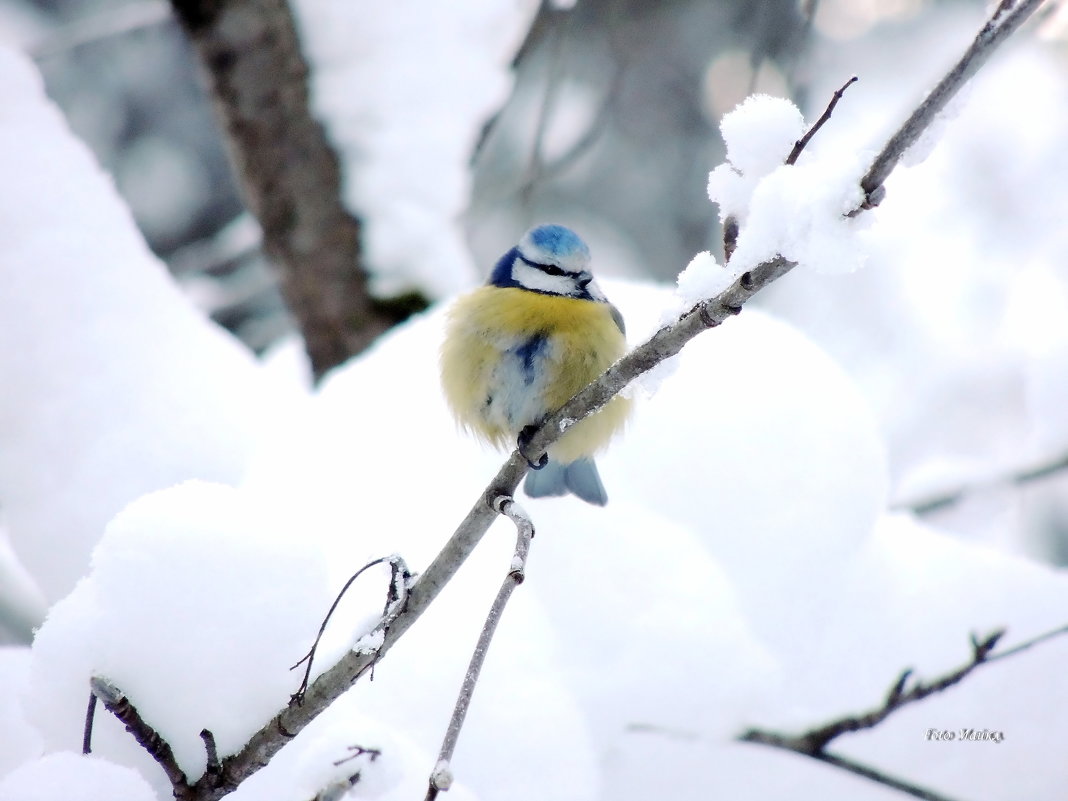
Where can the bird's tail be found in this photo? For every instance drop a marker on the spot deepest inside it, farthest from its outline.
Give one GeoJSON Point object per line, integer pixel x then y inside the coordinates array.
{"type": "Point", "coordinates": [580, 478]}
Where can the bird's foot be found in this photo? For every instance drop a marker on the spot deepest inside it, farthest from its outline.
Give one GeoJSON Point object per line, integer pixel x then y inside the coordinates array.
{"type": "Point", "coordinates": [523, 441]}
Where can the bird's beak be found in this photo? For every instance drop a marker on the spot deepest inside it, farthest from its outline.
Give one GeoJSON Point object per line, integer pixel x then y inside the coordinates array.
{"type": "Point", "coordinates": [589, 286]}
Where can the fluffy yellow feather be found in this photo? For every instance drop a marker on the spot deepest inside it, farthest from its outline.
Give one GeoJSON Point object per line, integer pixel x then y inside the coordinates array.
{"type": "Point", "coordinates": [581, 341]}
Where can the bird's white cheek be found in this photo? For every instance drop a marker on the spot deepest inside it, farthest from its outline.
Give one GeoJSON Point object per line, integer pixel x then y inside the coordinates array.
{"type": "Point", "coordinates": [533, 278]}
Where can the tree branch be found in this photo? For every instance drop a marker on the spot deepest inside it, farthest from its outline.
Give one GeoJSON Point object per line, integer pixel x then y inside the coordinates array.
{"type": "Point", "coordinates": [1005, 20]}
{"type": "Point", "coordinates": [119, 705]}
{"type": "Point", "coordinates": [396, 599]}
{"type": "Point", "coordinates": [730, 225]}
{"type": "Point", "coordinates": [816, 740]}
{"type": "Point", "coordinates": [1017, 478]}
{"type": "Point", "coordinates": [441, 776]}
{"type": "Point", "coordinates": [813, 743]}
{"type": "Point", "coordinates": [879, 777]}
{"type": "Point", "coordinates": [290, 176]}
{"type": "Point", "coordinates": [665, 343]}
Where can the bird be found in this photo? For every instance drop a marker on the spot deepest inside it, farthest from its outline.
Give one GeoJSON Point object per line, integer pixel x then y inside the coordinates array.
{"type": "Point", "coordinates": [519, 347]}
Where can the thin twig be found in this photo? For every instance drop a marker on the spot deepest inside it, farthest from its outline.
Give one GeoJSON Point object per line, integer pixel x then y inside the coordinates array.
{"type": "Point", "coordinates": [441, 776]}
{"type": "Point", "coordinates": [397, 593]}
{"type": "Point", "coordinates": [1015, 479]}
{"type": "Point", "coordinates": [816, 740]}
{"type": "Point", "coordinates": [997, 29]}
{"type": "Point", "coordinates": [813, 743]}
{"type": "Point", "coordinates": [666, 342]}
{"type": "Point", "coordinates": [730, 225]}
{"type": "Point", "coordinates": [119, 705]}
{"type": "Point", "coordinates": [1026, 644]}
{"type": "Point", "coordinates": [802, 143]}
{"type": "Point", "coordinates": [87, 732]}
{"type": "Point", "coordinates": [359, 751]}
{"type": "Point", "coordinates": [880, 777]}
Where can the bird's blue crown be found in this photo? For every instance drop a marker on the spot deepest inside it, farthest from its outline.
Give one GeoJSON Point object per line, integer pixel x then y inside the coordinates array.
{"type": "Point", "coordinates": [555, 244]}
{"type": "Point", "coordinates": [544, 245]}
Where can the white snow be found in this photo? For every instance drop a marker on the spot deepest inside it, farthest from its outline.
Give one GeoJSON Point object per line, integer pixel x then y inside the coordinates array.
{"type": "Point", "coordinates": [796, 211]}
{"type": "Point", "coordinates": [64, 775]}
{"type": "Point", "coordinates": [198, 594]}
{"type": "Point", "coordinates": [404, 90]}
{"type": "Point", "coordinates": [113, 384]}
{"type": "Point", "coordinates": [760, 133]}
{"type": "Point", "coordinates": [19, 741]}
{"type": "Point", "coordinates": [703, 278]}
{"type": "Point", "coordinates": [745, 572]}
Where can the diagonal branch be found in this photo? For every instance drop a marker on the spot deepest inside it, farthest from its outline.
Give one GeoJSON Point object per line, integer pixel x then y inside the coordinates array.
{"type": "Point", "coordinates": [665, 343]}
{"type": "Point", "coordinates": [1005, 20]}
{"type": "Point", "coordinates": [148, 738]}
{"type": "Point", "coordinates": [935, 503]}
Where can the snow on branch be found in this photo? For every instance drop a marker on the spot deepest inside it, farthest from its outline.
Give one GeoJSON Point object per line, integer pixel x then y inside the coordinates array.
{"type": "Point", "coordinates": [666, 342]}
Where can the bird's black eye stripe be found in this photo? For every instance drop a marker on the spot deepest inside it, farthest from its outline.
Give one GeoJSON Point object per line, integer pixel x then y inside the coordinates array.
{"type": "Point", "coordinates": [548, 269]}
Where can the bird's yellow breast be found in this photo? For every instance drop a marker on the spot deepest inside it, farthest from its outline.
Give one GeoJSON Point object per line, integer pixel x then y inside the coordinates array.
{"type": "Point", "coordinates": [580, 341]}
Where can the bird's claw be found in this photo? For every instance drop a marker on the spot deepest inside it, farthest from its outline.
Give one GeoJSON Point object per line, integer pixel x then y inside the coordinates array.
{"type": "Point", "coordinates": [521, 445]}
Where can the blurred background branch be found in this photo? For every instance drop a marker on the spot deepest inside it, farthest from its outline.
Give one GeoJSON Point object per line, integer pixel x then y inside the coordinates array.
{"type": "Point", "coordinates": [251, 56]}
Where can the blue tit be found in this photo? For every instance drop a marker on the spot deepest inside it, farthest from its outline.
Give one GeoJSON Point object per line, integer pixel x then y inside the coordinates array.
{"type": "Point", "coordinates": [524, 344]}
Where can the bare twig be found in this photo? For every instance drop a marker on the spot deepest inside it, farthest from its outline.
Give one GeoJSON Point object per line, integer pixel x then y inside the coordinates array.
{"type": "Point", "coordinates": [119, 705]}
{"type": "Point", "coordinates": [441, 776]}
{"type": "Point", "coordinates": [1017, 478]}
{"type": "Point", "coordinates": [359, 751]}
{"type": "Point", "coordinates": [880, 777]}
{"type": "Point", "coordinates": [1004, 21]}
{"type": "Point", "coordinates": [730, 225]}
{"type": "Point", "coordinates": [1026, 644]}
{"type": "Point", "coordinates": [395, 597]}
{"type": "Point", "coordinates": [813, 743]}
{"type": "Point", "coordinates": [802, 143]}
{"type": "Point", "coordinates": [815, 740]}
{"type": "Point", "coordinates": [666, 342]}
{"type": "Point", "coordinates": [87, 732]}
